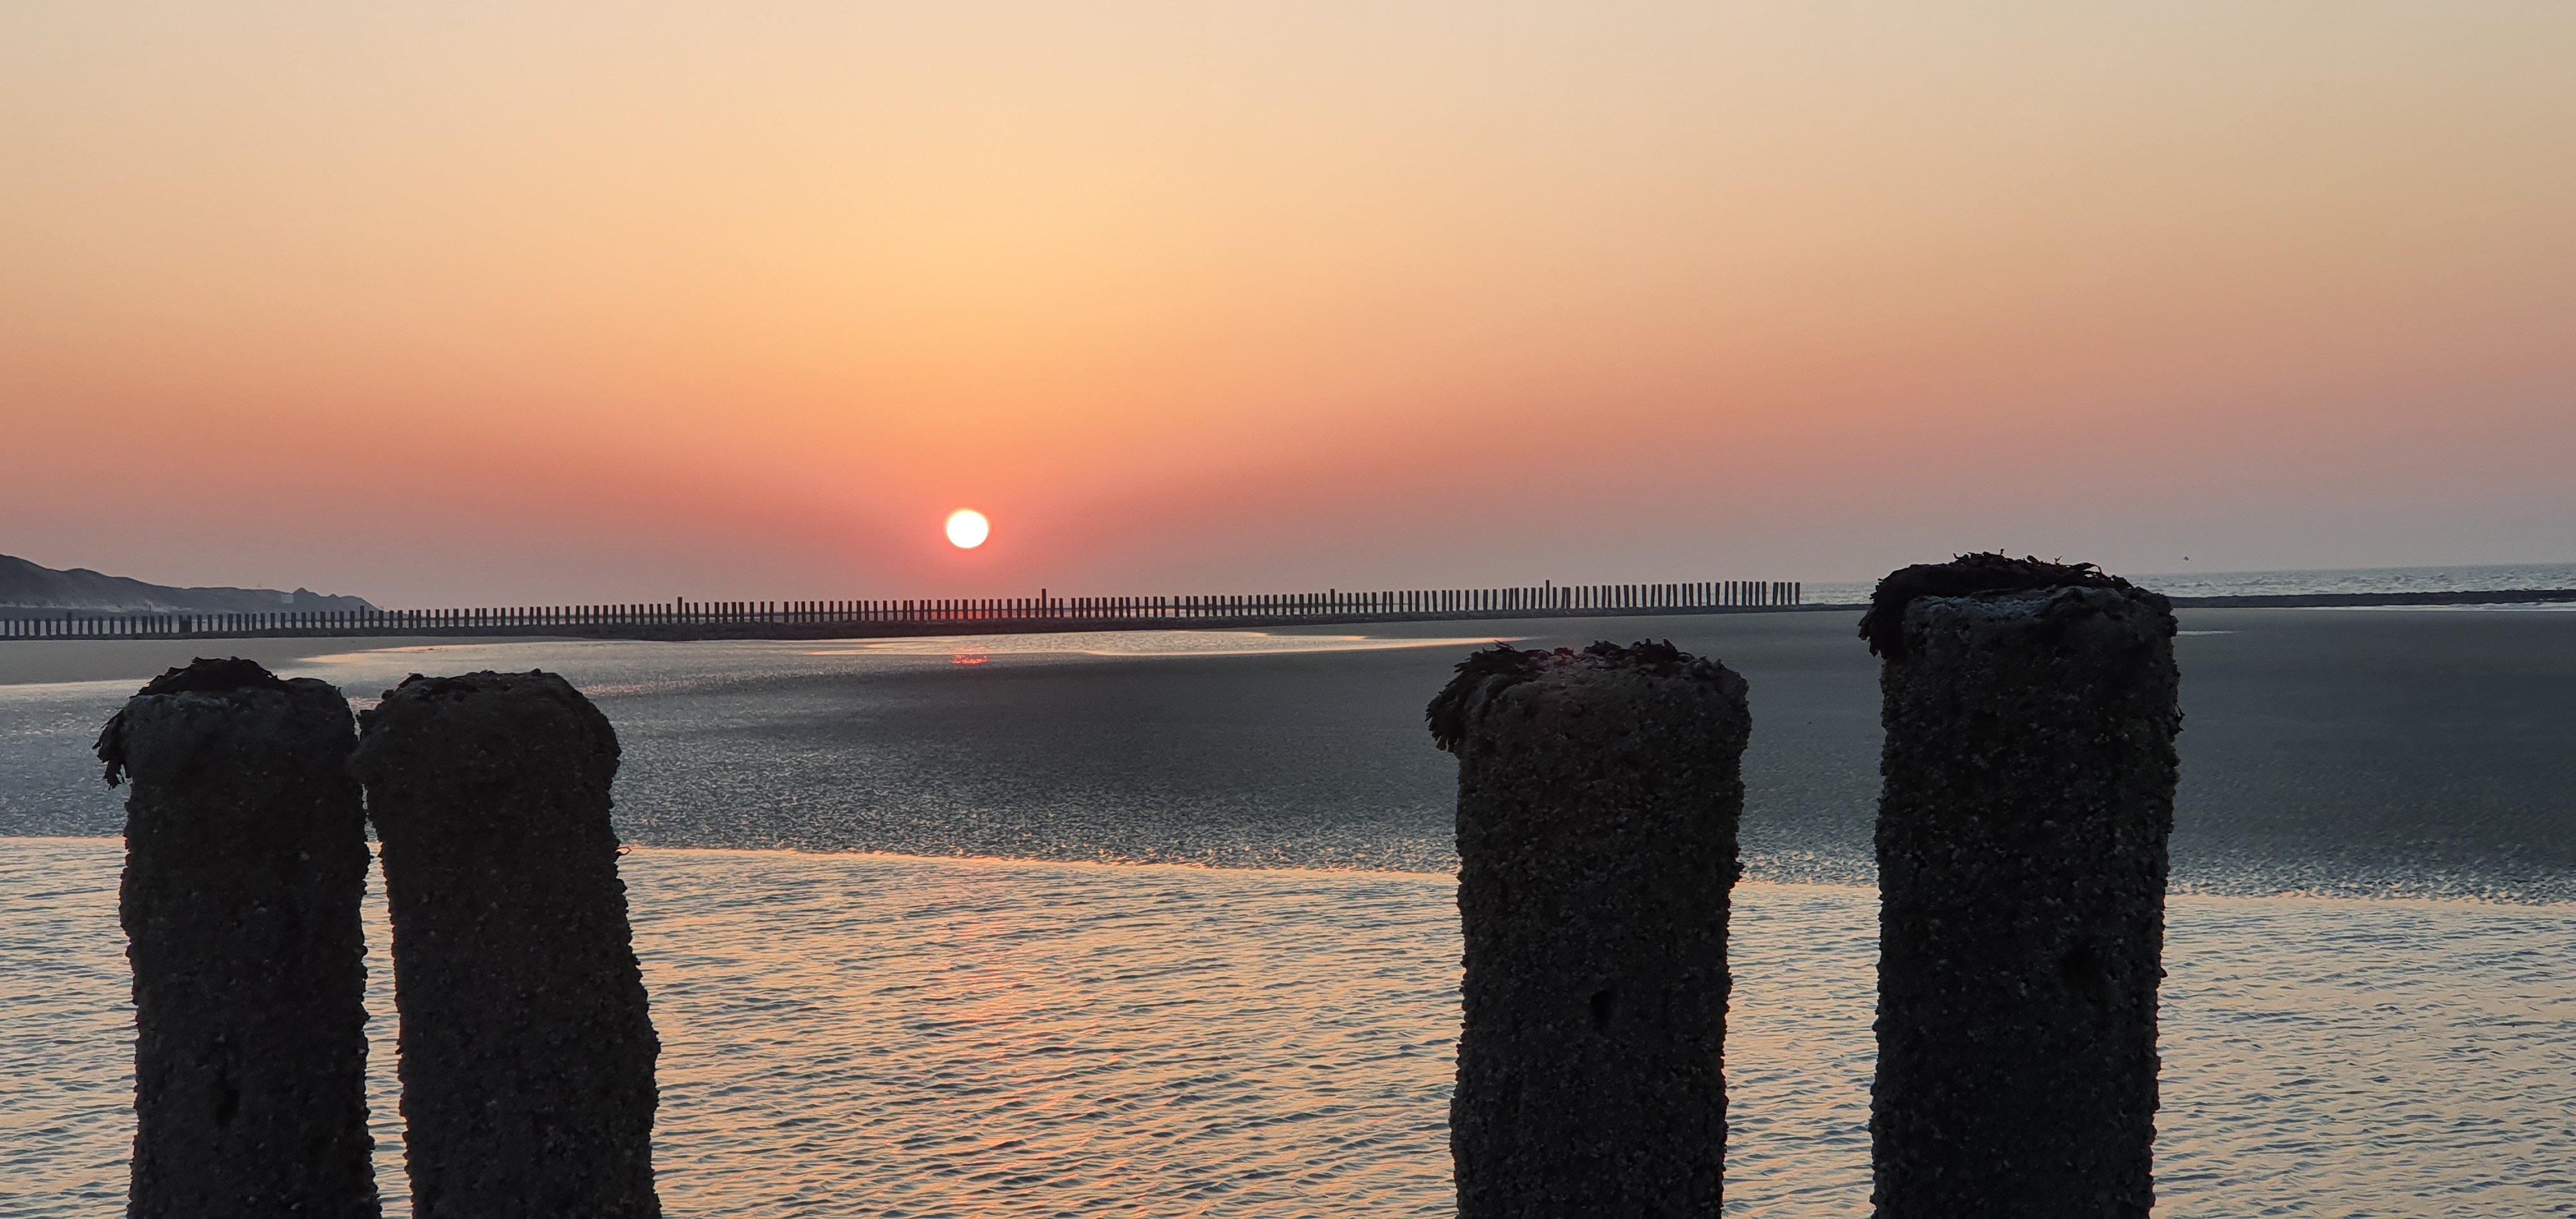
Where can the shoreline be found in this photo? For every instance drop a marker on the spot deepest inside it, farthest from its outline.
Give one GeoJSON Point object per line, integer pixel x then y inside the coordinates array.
{"type": "Point", "coordinates": [2187, 892]}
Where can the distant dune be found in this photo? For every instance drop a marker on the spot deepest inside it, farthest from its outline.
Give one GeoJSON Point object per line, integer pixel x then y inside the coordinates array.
{"type": "Point", "coordinates": [27, 590]}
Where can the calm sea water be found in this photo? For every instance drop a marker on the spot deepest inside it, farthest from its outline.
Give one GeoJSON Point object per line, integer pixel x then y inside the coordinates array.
{"type": "Point", "coordinates": [986, 988]}
{"type": "Point", "coordinates": [2474, 578]}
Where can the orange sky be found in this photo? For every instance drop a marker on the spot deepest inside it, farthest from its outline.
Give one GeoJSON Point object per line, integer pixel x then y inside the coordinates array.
{"type": "Point", "coordinates": [469, 304]}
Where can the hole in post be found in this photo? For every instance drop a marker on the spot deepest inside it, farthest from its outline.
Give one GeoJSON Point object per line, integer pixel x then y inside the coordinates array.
{"type": "Point", "coordinates": [1605, 1007]}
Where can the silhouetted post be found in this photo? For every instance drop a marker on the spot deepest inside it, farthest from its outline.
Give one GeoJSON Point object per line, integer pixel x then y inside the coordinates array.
{"type": "Point", "coordinates": [527, 1052]}
{"type": "Point", "coordinates": [2029, 768]}
{"type": "Point", "coordinates": [245, 856]}
{"type": "Point", "coordinates": [1598, 799]}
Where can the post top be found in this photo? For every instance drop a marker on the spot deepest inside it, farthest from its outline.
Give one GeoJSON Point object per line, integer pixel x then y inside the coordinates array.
{"type": "Point", "coordinates": [206, 676]}
{"type": "Point", "coordinates": [201, 676]}
{"type": "Point", "coordinates": [535, 710]}
{"type": "Point", "coordinates": [1502, 666]}
{"type": "Point", "coordinates": [1965, 576]}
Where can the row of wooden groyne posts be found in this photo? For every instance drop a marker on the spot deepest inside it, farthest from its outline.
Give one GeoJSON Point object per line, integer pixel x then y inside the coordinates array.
{"type": "Point", "coordinates": [2029, 769]}
{"type": "Point", "coordinates": [795, 619]}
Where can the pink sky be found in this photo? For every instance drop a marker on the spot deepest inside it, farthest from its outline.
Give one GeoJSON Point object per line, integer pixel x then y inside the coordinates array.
{"type": "Point", "coordinates": [490, 305]}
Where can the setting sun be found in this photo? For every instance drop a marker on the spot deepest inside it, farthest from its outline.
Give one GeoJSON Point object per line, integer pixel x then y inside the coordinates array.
{"type": "Point", "coordinates": [967, 529]}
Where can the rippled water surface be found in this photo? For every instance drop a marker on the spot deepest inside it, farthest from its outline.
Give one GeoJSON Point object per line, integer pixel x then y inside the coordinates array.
{"type": "Point", "coordinates": [874, 1035]}
{"type": "Point", "coordinates": [985, 988]}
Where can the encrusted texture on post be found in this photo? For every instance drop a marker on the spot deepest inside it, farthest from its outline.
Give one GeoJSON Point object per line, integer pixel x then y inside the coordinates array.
{"type": "Point", "coordinates": [527, 1050]}
{"type": "Point", "coordinates": [1599, 795]}
{"type": "Point", "coordinates": [245, 858]}
{"type": "Point", "coordinates": [2029, 770]}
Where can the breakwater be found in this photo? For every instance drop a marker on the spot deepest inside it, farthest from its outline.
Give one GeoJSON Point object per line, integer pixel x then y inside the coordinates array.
{"type": "Point", "coordinates": [684, 619]}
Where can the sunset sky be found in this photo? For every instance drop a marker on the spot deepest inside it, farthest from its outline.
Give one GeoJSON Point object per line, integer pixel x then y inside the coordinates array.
{"type": "Point", "coordinates": [460, 304]}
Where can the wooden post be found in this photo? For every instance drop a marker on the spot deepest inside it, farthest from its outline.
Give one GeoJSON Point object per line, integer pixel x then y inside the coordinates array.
{"type": "Point", "coordinates": [245, 858]}
{"type": "Point", "coordinates": [527, 1051]}
{"type": "Point", "coordinates": [1599, 796]}
{"type": "Point", "coordinates": [2030, 713]}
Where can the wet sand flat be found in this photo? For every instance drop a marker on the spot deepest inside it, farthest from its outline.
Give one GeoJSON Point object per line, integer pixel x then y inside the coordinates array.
{"type": "Point", "coordinates": [2361, 752]}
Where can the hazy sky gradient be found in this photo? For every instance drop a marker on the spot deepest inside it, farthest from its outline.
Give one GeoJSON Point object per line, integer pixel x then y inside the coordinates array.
{"type": "Point", "coordinates": [468, 304]}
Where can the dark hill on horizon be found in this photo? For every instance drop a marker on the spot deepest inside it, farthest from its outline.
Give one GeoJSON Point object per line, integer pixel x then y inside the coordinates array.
{"type": "Point", "coordinates": [27, 591]}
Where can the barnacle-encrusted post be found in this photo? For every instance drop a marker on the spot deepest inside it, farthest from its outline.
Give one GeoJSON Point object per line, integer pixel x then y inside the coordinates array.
{"type": "Point", "coordinates": [527, 1051]}
{"type": "Point", "coordinates": [1598, 799]}
{"type": "Point", "coordinates": [2029, 770]}
{"type": "Point", "coordinates": [245, 857]}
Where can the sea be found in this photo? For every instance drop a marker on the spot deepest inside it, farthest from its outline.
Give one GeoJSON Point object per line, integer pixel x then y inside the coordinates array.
{"type": "Point", "coordinates": [2486, 578]}
{"type": "Point", "coordinates": [1162, 923]}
